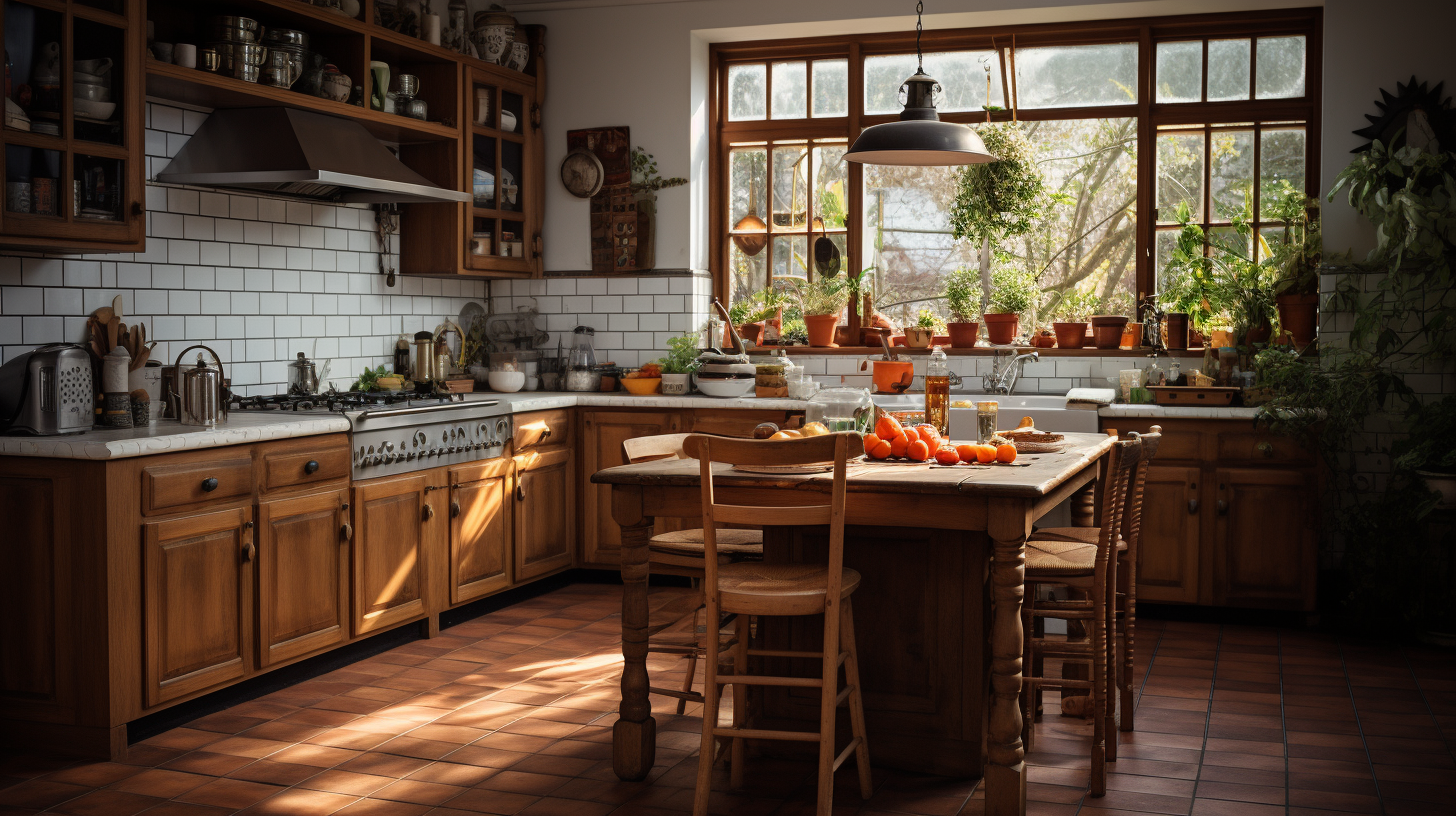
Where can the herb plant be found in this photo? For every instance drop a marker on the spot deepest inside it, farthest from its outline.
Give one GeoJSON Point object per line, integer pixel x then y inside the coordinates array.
{"type": "Point", "coordinates": [1013, 291]}
{"type": "Point", "coordinates": [825, 296]}
{"type": "Point", "coordinates": [963, 294]}
{"type": "Point", "coordinates": [369, 380]}
{"type": "Point", "coordinates": [682, 354]}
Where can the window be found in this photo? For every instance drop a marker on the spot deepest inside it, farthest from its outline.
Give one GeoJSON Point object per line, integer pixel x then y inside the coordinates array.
{"type": "Point", "coordinates": [1128, 117]}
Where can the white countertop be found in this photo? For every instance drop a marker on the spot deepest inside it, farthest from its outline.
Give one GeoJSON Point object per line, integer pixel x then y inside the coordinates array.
{"type": "Point", "coordinates": [241, 427]}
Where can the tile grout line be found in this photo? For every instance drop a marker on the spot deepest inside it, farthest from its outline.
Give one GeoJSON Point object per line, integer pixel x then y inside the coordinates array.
{"type": "Point", "coordinates": [1208, 712]}
{"type": "Point", "coordinates": [1354, 706]}
{"type": "Point", "coordinates": [1283, 713]}
{"type": "Point", "coordinates": [1427, 703]}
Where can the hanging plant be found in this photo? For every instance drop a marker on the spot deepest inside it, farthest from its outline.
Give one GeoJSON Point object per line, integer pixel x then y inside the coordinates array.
{"type": "Point", "coordinates": [1002, 199]}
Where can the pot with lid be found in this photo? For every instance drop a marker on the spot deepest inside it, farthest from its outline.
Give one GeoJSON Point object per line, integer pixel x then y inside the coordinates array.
{"type": "Point", "coordinates": [201, 390]}
{"type": "Point", "coordinates": [302, 376]}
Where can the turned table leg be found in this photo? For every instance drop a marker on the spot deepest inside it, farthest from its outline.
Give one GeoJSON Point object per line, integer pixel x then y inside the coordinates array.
{"type": "Point", "coordinates": [634, 736]}
{"type": "Point", "coordinates": [1008, 523]}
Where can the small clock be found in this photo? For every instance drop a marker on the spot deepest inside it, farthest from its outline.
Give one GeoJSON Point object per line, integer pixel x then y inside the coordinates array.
{"type": "Point", "coordinates": [582, 173]}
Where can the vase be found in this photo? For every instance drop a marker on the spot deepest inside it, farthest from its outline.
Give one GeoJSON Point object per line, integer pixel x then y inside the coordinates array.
{"type": "Point", "coordinates": [1299, 315]}
{"type": "Point", "coordinates": [1070, 335]}
{"type": "Point", "coordinates": [1001, 328]}
{"type": "Point", "coordinates": [1107, 331]}
{"type": "Point", "coordinates": [1043, 339]}
{"type": "Point", "coordinates": [1176, 325]}
{"type": "Point", "coordinates": [821, 329]}
{"type": "Point", "coordinates": [963, 335]}
{"type": "Point", "coordinates": [918, 336]}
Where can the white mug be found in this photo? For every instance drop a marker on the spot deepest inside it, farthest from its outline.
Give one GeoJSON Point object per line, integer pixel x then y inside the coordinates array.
{"type": "Point", "coordinates": [185, 55]}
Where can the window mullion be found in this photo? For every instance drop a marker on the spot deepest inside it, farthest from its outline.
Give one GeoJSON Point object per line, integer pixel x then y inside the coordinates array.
{"type": "Point", "coordinates": [854, 178]}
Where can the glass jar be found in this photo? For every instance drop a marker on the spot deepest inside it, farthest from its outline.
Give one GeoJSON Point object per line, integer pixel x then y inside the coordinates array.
{"type": "Point", "coordinates": [937, 392]}
{"type": "Point", "coordinates": [841, 409]}
{"type": "Point", "coordinates": [986, 413]}
{"type": "Point", "coordinates": [581, 364]}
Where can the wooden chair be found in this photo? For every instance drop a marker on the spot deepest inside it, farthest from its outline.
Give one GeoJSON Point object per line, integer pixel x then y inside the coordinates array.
{"type": "Point", "coordinates": [749, 588]}
{"type": "Point", "coordinates": [681, 553]}
{"type": "Point", "coordinates": [1127, 560]}
{"type": "Point", "coordinates": [1092, 568]}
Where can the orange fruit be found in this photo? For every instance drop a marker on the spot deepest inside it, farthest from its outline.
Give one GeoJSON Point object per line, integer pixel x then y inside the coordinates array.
{"type": "Point", "coordinates": [887, 427]}
{"type": "Point", "coordinates": [1006, 453]}
{"type": "Point", "coordinates": [967, 453]}
{"type": "Point", "coordinates": [929, 435]}
{"type": "Point", "coordinates": [876, 447]}
{"type": "Point", "coordinates": [900, 444]}
{"type": "Point", "coordinates": [946, 455]}
{"type": "Point", "coordinates": [918, 451]}
{"type": "Point", "coordinates": [985, 454]}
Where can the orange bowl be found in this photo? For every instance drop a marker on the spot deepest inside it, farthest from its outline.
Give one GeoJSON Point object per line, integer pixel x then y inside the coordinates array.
{"type": "Point", "coordinates": [641, 386]}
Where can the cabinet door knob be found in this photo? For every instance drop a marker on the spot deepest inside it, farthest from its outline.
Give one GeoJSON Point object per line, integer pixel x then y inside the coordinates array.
{"type": "Point", "coordinates": [209, 484]}
{"type": "Point", "coordinates": [346, 532]}
{"type": "Point", "coordinates": [1192, 506]}
{"type": "Point", "coordinates": [1267, 449]}
{"type": "Point", "coordinates": [520, 492]}
{"type": "Point", "coordinates": [454, 509]}
{"type": "Point", "coordinates": [249, 552]}
{"type": "Point", "coordinates": [1221, 506]}
{"type": "Point", "coordinates": [546, 434]}
{"type": "Point", "coordinates": [311, 467]}
{"type": "Point", "coordinates": [429, 512]}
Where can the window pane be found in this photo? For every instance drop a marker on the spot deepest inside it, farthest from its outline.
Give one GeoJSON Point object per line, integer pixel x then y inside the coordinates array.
{"type": "Point", "coordinates": [1280, 64]}
{"type": "Point", "coordinates": [1088, 242]}
{"type": "Point", "coordinates": [790, 187]}
{"type": "Point", "coordinates": [1180, 71]}
{"type": "Point", "coordinates": [790, 257]}
{"type": "Point", "coordinates": [1166, 240]}
{"type": "Point", "coordinates": [789, 90]}
{"type": "Point", "coordinates": [1180, 175]}
{"type": "Point", "coordinates": [1067, 76]}
{"type": "Point", "coordinates": [746, 85]}
{"type": "Point", "coordinates": [961, 75]}
{"type": "Point", "coordinates": [1281, 160]}
{"type": "Point", "coordinates": [907, 237]}
{"type": "Point", "coordinates": [747, 193]}
{"type": "Point", "coordinates": [1231, 179]}
{"type": "Point", "coordinates": [829, 180]}
{"type": "Point", "coordinates": [1228, 70]}
{"type": "Point", "coordinates": [746, 273]}
{"type": "Point", "coordinates": [1272, 239]}
{"type": "Point", "coordinates": [1229, 239]}
{"type": "Point", "coordinates": [831, 87]}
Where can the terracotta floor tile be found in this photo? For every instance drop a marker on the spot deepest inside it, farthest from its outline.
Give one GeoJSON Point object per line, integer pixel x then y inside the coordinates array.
{"type": "Point", "coordinates": [418, 792]}
{"type": "Point", "coordinates": [95, 774]}
{"type": "Point", "coordinates": [39, 794]}
{"type": "Point", "coordinates": [187, 809]}
{"type": "Point", "coordinates": [1224, 807]}
{"type": "Point", "coordinates": [451, 773]}
{"type": "Point", "coordinates": [1261, 794]}
{"type": "Point", "coordinates": [232, 793]}
{"type": "Point", "coordinates": [347, 782]}
{"type": "Point", "coordinates": [161, 783]}
{"type": "Point", "coordinates": [384, 807]}
{"type": "Point", "coordinates": [274, 773]}
{"type": "Point", "coordinates": [482, 800]}
{"type": "Point", "coordinates": [1333, 800]}
{"type": "Point", "coordinates": [391, 765]}
{"type": "Point", "coordinates": [549, 806]}
{"type": "Point", "coordinates": [208, 763]}
{"type": "Point", "coordinates": [301, 802]}
{"type": "Point", "coordinates": [518, 782]}
{"type": "Point", "coordinates": [106, 803]}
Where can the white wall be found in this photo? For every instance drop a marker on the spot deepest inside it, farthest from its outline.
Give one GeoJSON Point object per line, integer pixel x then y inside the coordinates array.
{"type": "Point", "coordinates": [1369, 46]}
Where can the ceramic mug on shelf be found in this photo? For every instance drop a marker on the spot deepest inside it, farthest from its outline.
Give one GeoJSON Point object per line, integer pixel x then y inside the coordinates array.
{"type": "Point", "coordinates": [482, 105]}
{"type": "Point", "coordinates": [162, 51]}
{"type": "Point", "coordinates": [185, 55]}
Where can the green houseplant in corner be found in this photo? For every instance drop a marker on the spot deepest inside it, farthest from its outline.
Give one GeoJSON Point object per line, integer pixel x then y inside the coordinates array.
{"type": "Point", "coordinates": [821, 302]}
{"type": "Point", "coordinates": [1430, 450]}
{"type": "Point", "coordinates": [963, 295]}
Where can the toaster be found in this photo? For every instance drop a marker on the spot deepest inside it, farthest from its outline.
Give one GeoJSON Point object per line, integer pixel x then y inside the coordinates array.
{"type": "Point", "coordinates": [47, 391]}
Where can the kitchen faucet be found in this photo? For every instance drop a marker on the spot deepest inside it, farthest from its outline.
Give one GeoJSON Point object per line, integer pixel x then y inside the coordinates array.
{"type": "Point", "coordinates": [1004, 371]}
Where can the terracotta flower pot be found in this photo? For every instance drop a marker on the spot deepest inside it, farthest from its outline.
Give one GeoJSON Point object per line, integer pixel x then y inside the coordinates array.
{"type": "Point", "coordinates": [1299, 315]}
{"type": "Point", "coordinates": [942, 340]}
{"type": "Point", "coordinates": [1107, 331]}
{"type": "Point", "coordinates": [918, 336]}
{"type": "Point", "coordinates": [750, 332]}
{"type": "Point", "coordinates": [1043, 339]}
{"type": "Point", "coordinates": [1070, 335]}
{"type": "Point", "coordinates": [821, 329]}
{"type": "Point", "coordinates": [963, 335]}
{"type": "Point", "coordinates": [1176, 325]}
{"type": "Point", "coordinates": [1001, 328]}
{"type": "Point", "coordinates": [1258, 334]}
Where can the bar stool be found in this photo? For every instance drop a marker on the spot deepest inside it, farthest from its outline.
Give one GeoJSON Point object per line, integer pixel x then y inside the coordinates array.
{"type": "Point", "coordinates": [749, 588]}
{"type": "Point", "coordinates": [681, 553]}
{"type": "Point", "coordinates": [1092, 568]}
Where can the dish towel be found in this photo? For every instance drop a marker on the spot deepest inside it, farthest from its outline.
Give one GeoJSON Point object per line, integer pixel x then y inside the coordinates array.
{"type": "Point", "coordinates": [1090, 398]}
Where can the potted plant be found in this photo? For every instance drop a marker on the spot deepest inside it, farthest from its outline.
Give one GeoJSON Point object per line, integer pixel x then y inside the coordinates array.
{"type": "Point", "coordinates": [749, 314]}
{"type": "Point", "coordinates": [963, 295]}
{"type": "Point", "coordinates": [821, 301]}
{"type": "Point", "coordinates": [1298, 259]}
{"type": "Point", "coordinates": [922, 331]}
{"type": "Point", "coordinates": [1430, 450]}
{"type": "Point", "coordinates": [1191, 294]}
{"type": "Point", "coordinates": [1073, 309]}
{"type": "Point", "coordinates": [1013, 293]}
{"type": "Point", "coordinates": [679, 364]}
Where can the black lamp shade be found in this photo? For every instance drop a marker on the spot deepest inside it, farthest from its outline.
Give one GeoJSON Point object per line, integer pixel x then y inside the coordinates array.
{"type": "Point", "coordinates": [919, 143]}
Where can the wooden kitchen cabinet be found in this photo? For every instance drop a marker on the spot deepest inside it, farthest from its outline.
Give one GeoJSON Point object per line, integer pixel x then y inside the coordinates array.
{"type": "Point", "coordinates": [602, 435]}
{"type": "Point", "coordinates": [1264, 536]}
{"type": "Point", "coordinates": [480, 529]}
{"type": "Point", "coordinates": [303, 575]}
{"type": "Point", "coordinates": [197, 595]}
{"type": "Point", "coordinates": [394, 523]}
{"type": "Point", "coordinates": [1168, 542]}
{"type": "Point", "coordinates": [545, 511]}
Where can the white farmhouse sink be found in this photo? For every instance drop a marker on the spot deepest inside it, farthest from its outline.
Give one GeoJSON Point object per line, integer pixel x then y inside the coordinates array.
{"type": "Point", "coordinates": [1050, 413]}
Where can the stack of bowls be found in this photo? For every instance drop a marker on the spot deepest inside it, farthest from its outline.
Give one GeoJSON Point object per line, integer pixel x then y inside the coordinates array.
{"type": "Point", "coordinates": [92, 95]}
{"type": "Point", "coordinates": [235, 39]}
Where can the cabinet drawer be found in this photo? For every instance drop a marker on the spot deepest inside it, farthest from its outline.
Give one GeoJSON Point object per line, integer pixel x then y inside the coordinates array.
{"type": "Point", "coordinates": [1259, 446]}
{"type": "Point", "coordinates": [306, 465]}
{"type": "Point", "coordinates": [1179, 443]}
{"type": "Point", "coordinates": [737, 423]}
{"type": "Point", "coordinates": [169, 487]}
{"type": "Point", "coordinates": [542, 428]}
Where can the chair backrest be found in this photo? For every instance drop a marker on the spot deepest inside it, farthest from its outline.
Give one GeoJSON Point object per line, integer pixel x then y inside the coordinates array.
{"type": "Point", "coordinates": [836, 448]}
{"type": "Point", "coordinates": [652, 448]}
{"type": "Point", "coordinates": [1133, 505]}
{"type": "Point", "coordinates": [1121, 468]}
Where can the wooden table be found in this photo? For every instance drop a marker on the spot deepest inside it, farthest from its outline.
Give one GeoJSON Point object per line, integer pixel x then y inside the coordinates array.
{"type": "Point", "coordinates": [977, 517]}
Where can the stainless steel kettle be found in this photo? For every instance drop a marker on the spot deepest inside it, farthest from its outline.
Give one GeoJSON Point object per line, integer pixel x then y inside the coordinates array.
{"type": "Point", "coordinates": [303, 377]}
{"type": "Point", "coordinates": [201, 393]}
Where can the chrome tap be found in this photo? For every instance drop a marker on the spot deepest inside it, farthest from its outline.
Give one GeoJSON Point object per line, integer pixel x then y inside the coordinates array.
{"type": "Point", "coordinates": [1005, 368]}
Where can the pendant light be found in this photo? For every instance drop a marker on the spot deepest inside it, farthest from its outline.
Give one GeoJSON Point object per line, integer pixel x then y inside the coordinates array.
{"type": "Point", "coordinates": [919, 139]}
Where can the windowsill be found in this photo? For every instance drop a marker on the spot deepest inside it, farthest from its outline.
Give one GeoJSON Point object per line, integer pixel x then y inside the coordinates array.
{"type": "Point", "coordinates": [979, 351]}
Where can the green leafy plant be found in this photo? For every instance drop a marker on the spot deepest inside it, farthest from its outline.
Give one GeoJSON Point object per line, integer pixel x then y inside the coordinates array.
{"type": "Point", "coordinates": [645, 175]}
{"type": "Point", "coordinates": [824, 296]}
{"type": "Point", "coordinates": [369, 380]}
{"type": "Point", "coordinates": [761, 305]}
{"type": "Point", "coordinates": [1431, 445]}
{"type": "Point", "coordinates": [1297, 255]}
{"type": "Point", "coordinates": [1075, 306]}
{"type": "Point", "coordinates": [1189, 283]}
{"type": "Point", "coordinates": [1013, 291]}
{"type": "Point", "coordinates": [682, 354]}
{"type": "Point", "coordinates": [930, 321]}
{"type": "Point", "coordinates": [1000, 199]}
{"type": "Point", "coordinates": [794, 330]}
{"type": "Point", "coordinates": [963, 294]}
{"type": "Point", "coordinates": [1225, 286]}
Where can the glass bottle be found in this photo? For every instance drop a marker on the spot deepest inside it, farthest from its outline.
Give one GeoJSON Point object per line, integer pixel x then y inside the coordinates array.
{"type": "Point", "coordinates": [937, 392]}
{"type": "Point", "coordinates": [986, 420]}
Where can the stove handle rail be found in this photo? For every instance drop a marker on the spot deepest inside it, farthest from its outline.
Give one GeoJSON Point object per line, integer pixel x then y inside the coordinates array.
{"type": "Point", "coordinates": [419, 409]}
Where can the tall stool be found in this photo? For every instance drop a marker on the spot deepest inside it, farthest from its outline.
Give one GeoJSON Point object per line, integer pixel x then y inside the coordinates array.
{"type": "Point", "coordinates": [749, 588]}
{"type": "Point", "coordinates": [681, 553]}
{"type": "Point", "coordinates": [1092, 568]}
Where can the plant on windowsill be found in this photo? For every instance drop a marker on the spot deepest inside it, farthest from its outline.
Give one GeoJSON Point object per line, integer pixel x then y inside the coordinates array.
{"type": "Point", "coordinates": [645, 183]}
{"type": "Point", "coordinates": [1013, 294]}
{"type": "Point", "coordinates": [1297, 258]}
{"type": "Point", "coordinates": [1070, 314]}
{"type": "Point", "coordinates": [963, 295]}
{"type": "Point", "coordinates": [821, 302]}
{"type": "Point", "coordinates": [920, 333]}
{"type": "Point", "coordinates": [751, 313]}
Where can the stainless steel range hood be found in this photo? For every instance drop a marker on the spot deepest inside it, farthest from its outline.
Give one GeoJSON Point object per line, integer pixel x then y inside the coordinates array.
{"type": "Point", "coordinates": [294, 152]}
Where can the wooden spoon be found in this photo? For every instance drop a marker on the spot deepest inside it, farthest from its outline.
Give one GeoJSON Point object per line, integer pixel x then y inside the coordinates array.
{"type": "Point", "coordinates": [113, 332]}
{"type": "Point", "coordinates": [104, 315]}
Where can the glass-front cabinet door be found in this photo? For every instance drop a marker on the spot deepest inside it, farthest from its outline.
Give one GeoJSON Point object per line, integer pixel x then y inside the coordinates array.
{"type": "Point", "coordinates": [73, 125]}
{"type": "Point", "coordinates": [502, 220]}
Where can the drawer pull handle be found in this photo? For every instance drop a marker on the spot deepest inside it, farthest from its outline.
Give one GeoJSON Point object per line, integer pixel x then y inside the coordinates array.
{"type": "Point", "coordinates": [249, 552]}
{"type": "Point", "coordinates": [346, 532]}
{"type": "Point", "coordinates": [429, 512]}
{"type": "Point", "coordinates": [546, 434]}
{"type": "Point", "coordinates": [520, 492]}
{"type": "Point", "coordinates": [1192, 506]}
{"type": "Point", "coordinates": [209, 484]}
{"type": "Point", "coordinates": [312, 467]}
{"type": "Point", "coordinates": [454, 509]}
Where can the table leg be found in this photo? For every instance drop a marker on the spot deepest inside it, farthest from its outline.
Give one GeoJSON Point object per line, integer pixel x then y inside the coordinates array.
{"type": "Point", "coordinates": [634, 736]}
{"type": "Point", "coordinates": [1008, 523]}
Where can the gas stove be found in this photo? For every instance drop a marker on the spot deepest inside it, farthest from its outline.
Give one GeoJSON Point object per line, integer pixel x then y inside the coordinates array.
{"type": "Point", "coordinates": [393, 433]}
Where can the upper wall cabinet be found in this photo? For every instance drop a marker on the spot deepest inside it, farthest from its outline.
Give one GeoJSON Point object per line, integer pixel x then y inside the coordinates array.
{"type": "Point", "coordinates": [73, 126]}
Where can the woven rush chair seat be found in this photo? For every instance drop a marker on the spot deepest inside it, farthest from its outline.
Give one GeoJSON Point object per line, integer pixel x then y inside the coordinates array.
{"type": "Point", "coordinates": [777, 580]}
{"type": "Point", "coordinates": [1060, 558]}
{"type": "Point", "coordinates": [1086, 535]}
{"type": "Point", "coordinates": [737, 543]}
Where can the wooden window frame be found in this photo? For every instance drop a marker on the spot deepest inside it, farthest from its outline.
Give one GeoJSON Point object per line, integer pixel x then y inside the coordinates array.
{"type": "Point", "coordinates": [1150, 115]}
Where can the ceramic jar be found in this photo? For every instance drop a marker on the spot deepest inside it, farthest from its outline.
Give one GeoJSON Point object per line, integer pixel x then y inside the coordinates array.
{"type": "Point", "coordinates": [335, 85]}
{"type": "Point", "coordinates": [520, 50]}
{"type": "Point", "coordinates": [494, 35]}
